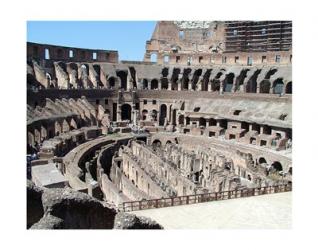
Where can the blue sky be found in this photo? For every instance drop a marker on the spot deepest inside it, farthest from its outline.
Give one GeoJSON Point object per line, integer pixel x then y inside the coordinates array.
{"type": "Point", "coordinates": [128, 37]}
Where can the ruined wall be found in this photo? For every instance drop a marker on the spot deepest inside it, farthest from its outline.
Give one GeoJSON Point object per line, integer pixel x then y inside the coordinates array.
{"type": "Point", "coordinates": [61, 53]}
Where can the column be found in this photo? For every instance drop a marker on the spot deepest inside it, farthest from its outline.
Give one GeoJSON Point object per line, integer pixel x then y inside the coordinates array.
{"type": "Point", "coordinates": [118, 112]}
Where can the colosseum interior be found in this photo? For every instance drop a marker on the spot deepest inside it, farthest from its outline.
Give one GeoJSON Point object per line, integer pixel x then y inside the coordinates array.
{"type": "Point", "coordinates": [206, 116]}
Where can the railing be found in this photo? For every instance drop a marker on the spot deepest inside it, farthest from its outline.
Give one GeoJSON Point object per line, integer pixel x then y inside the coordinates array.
{"type": "Point", "coordinates": [199, 198]}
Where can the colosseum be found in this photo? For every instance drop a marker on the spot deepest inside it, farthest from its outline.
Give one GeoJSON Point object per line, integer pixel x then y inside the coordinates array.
{"type": "Point", "coordinates": [205, 117]}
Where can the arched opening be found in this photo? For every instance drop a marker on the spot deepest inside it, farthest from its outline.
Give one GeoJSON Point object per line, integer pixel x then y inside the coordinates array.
{"type": "Point", "coordinates": [163, 114]}
{"type": "Point", "coordinates": [202, 122]}
{"type": "Point", "coordinates": [228, 82]}
{"type": "Point", "coordinates": [174, 78]}
{"type": "Point", "coordinates": [251, 86]}
{"type": "Point", "coordinates": [154, 84]}
{"type": "Point", "coordinates": [216, 82]}
{"type": "Point", "coordinates": [253, 140]}
{"type": "Point", "coordinates": [164, 83]}
{"type": "Point", "coordinates": [264, 86]}
{"type": "Point", "coordinates": [153, 57]}
{"type": "Point", "coordinates": [262, 160]}
{"type": "Point", "coordinates": [277, 166]}
{"type": "Point", "coordinates": [212, 122]}
{"type": "Point", "coordinates": [205, 80]}
{"type": "Point", "coordinates": [168, 142]}
{"type": "Point", "coordinates": [156, 144]}
{"type": "Point", "coordinates": [154, 115]}
{"type": "Point", "coordinates": [195, 78]}
{"type": "Point", "coordinates": [145, 84]}
{"type": "Point", "coordinates": [97, 70]}
{"type": "Point", "coordinates": [111, 82]}
{"type": "Point", "coordinates": [278, 86]}
{"type": "Point", "coordinates": [289, 89]}
{"type": "Point", "coordinates": [240, 79]}
{"type": "Point", "coordinates": [126, 112]}
{"type": "Point", "coordinates": [123, 78]}
{"type": "Point", "coordinates": [144, 114]}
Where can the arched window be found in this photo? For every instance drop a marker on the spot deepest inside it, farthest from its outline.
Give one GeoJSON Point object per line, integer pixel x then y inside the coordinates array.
{"type": "Point", "coordinates": [154, 84]}
{"type": "Point", "coordinates": [153, 57]}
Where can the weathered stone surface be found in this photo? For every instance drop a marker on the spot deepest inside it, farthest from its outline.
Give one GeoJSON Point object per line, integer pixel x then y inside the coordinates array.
{"type": "Point", "coordinates": [49, 222]}
{"type": "Point", "coordinates": [34, 204]}
{"type": "Point", "coordinates": [77, 210]}
{"type": "Point", "coordinates": [131, 221]}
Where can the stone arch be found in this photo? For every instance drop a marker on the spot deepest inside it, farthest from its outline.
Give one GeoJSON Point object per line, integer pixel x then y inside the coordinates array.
{"type": "Point", "coordinates": [216, 84]}
{"type": "Point", "coordinates": [174, 78]}
{"type": "Point", "coordinates": [163, 114]}
{"type": "Point", "coordinates": [185, 79]}
{"type": "Point", "coordinates": [288, 89]}
{"type": "Point", "coordinates": [240, 79]}
{"type": "Point", "coordinates": [126, 112]}
{"type": "Point", "coordinates": [97, 70]}
{"type": "Point", "coordinates": [164, 83]}
{"type": "Point", "coordinates": [153, 57]}
{"type": "Point", "coordinates": [277, 166]}
{"type": "Point", "coordinates": [251, 86]}
{"type": "Point", "coordinates": [112, 82]}
{"type": "Point", "coordinates": [196, 75]}
{"type": "Point", "coordinates": [228, 82]}
{"type": "Point", "coordinates": [205, 80]}
{"type": "Point", "coordinates": [168, 142]}
{"type": "Point", "coordinates": [154, 84]}
{"type": "Point", "coordinates": [278, 86]}
{"type": "Point", "coordinates": [262, 160]}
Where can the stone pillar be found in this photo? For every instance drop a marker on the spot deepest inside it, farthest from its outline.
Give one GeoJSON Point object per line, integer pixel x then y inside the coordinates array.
{"type": "Point", "coordinates": [135, 117]}
{"type": "Point", "coordinates": [261, 129]}
{"type": "Point", "coordinates": [118, 112]}
{"type": "Point", "coordinates": [250, 127]}
{"type": "Point", "coordinates": [234, 85]}
{"type": "Point", "coordinates": [271, 90]}
{"type": "Point", "coordinates": [209, 86]}
{"type": "Point", "coordinates": [169, 85]}
{"type": "Point", "coordinates": [207, 123]}
{"type": "Point", "coordinates": [159, 84]}
{"type": "Point", "coordinates": [199, 83]}
{"type": "Point", "coordinates": [179, 86]}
